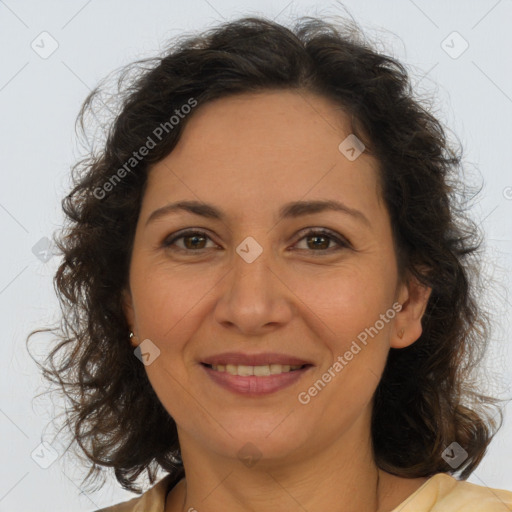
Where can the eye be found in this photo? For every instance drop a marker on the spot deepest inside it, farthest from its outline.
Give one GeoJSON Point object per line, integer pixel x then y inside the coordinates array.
{"type": "Point", "coordinates": [193, 240]}
{"type": "Point", "coordinates": [321, 239]}
{"type": "Point", "coordinates": [196, 240]}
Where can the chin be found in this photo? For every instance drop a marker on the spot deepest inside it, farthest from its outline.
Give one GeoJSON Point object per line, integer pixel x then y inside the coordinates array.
{"type": "Point", "coordinates": [259, 439]}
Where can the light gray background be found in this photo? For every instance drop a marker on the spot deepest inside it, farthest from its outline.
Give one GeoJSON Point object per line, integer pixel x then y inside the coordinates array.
{"type": "Point", "coordinates": [39, 100]}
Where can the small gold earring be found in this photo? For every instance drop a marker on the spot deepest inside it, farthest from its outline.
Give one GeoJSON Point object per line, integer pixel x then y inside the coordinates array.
{"type": "Point", "coordinates": [400, 333]}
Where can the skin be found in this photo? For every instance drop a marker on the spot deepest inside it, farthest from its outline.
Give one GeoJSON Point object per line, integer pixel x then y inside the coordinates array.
{"type": "Point", "coordinates": [248, 155]}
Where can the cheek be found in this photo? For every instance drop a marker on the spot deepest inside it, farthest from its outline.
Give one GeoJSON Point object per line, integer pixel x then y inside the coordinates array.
{"type": "Point", "coordinates": [348, 300]}
{"type": "Point", "coordinates": [166, 307]}
{"type": "Point", "coordinates": [167, 299]}
{"type": "Point", "coordinates": [355, 326]}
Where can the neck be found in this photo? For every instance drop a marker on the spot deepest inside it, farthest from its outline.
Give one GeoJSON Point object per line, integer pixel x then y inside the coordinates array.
{"type": "Point", "coordinates": [337, 476]}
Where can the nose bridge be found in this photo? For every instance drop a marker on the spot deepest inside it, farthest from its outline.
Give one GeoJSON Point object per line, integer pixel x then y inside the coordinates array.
{"type": "Point", "coordinates": [251, 265]}
{"type": "Point", "coordinates": [253, 296]}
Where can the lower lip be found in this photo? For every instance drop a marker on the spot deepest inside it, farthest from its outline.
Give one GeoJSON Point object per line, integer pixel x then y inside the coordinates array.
{"type": "Point", "coordinates": [252, 385]}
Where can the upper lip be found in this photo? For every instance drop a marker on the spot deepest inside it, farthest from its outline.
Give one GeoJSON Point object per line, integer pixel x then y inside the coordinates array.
{"type": "Point", "coordinates": [238, 358]}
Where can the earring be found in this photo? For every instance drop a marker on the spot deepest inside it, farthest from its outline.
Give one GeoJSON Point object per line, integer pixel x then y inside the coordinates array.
{"type": "Point", "coordinates": [400, 333]}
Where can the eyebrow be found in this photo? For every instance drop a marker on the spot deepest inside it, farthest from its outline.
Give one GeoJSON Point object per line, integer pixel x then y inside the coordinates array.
{"type": "Point", "coordinates": [294, 209]}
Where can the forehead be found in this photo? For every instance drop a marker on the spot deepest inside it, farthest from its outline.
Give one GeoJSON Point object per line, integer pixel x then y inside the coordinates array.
{"type": "Point", "coordinates": [272, 120]}
{"type": "Point", "coordinates": [262, 149]}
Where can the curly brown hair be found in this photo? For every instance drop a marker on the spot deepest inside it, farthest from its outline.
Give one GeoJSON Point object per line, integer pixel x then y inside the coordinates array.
{"type": "Point", "coordinates": [427, 397]}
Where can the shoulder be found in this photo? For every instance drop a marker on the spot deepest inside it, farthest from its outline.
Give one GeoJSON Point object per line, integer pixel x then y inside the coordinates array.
{"type": "Point", "coordinates": [153, 500]}
{"type": "Point", "coordinates": [444, 493]}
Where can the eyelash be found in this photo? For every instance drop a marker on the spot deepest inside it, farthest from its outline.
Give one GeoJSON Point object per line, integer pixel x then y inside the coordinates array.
{"type": "Point", "coordinates": [343, 243]}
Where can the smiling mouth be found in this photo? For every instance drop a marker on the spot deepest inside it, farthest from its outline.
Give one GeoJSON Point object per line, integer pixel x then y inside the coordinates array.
{"type": "Point", "coordinates": [257, 371]}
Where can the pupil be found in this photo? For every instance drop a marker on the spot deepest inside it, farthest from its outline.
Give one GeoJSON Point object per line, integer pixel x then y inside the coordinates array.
{"type": "Point", "coordinates": [319, 237]}
{"type": "Point", "coordinates": [194, 238]}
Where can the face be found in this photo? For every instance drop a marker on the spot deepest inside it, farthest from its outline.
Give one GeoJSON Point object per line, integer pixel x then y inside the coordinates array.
{"type": "Point", "coordinates": [258, 285]}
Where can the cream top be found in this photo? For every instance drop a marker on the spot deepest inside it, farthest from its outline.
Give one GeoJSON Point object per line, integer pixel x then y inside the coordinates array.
{"type": "Point", "coordinates": [440, 493]}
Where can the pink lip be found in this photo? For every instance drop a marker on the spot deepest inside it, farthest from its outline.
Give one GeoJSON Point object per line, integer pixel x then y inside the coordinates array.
{"type": "Point", "coordinates": [252, 385]}
{"type": "Point", "coordinates": [239, 358]}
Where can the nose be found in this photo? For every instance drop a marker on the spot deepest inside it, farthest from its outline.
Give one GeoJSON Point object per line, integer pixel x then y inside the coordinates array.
{"type": "Point", "coordinates": [254, 297]}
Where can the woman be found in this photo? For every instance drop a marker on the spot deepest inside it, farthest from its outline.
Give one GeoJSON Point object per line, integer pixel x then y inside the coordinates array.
{"type": "Point", "coordinates": [270, 285]}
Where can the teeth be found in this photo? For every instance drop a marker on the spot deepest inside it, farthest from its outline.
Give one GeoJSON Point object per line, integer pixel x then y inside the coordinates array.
{"type": "Point", "coordinates": [259, 371]}
{"type": "Point", "coordinates": [278, 368]}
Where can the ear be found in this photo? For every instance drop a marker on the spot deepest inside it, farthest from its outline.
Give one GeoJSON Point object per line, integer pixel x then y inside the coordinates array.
{"type": "Point", "coordinates": [127, 305]}
{"type": "Point", "coordinates": [413, 296]}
